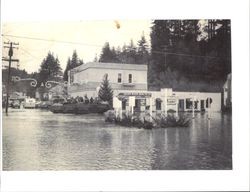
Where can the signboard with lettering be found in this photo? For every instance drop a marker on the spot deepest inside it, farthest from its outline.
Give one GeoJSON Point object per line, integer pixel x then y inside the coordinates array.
{"type": "Point", "coordinates": [135, 94]}
{"type": "Point", "coordinates": [171, 100]}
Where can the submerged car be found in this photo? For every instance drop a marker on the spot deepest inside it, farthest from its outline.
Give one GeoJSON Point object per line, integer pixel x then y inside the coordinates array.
{"type": "Point", "coordinates": [29, 103]}
{"type": "Point", "coordinates": [16, 104]}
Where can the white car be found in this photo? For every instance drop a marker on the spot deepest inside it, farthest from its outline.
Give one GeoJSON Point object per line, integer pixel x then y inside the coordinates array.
{"type": "Point", "coordinates": [29, 103]}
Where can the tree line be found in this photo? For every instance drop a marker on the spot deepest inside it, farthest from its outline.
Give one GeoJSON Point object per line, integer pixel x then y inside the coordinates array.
{"type": "Point", "coordinates": [133, 54]}
{"type": "Point", "coordinates": [190, 54]}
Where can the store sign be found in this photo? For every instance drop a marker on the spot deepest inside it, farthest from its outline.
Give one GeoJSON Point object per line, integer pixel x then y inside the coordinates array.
{"type": "Point", "coordinates": [136, 94]}
{"type": "Point", "coordinates": [171, 101]}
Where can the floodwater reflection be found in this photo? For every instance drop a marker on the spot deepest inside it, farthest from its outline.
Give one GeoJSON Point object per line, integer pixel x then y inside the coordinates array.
{"type": "Point", "coordinates": [41, 140]}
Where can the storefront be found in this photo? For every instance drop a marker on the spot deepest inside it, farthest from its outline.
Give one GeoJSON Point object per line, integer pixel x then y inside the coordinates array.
{"type": "Point", "coordinates": [168, 101]}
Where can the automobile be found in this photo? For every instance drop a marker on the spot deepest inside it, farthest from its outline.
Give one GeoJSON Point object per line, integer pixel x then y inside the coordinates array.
{"type": "Point", "coordinates": [38, 104]}
{"type": "Point", "coordinates": [16, 104]}
{"type": "Point", "coordinates": [45, 104]}
{"type": "Point", "coordinates": [29, 103]}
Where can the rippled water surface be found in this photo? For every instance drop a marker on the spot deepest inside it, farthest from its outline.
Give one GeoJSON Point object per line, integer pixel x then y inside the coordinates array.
{"type": "Point", "coordinates": [40, 140]}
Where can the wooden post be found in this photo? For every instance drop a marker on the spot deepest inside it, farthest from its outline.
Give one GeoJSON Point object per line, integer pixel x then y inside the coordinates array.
{"type": "Point", "coordinates": [193, 108]}
{"type": "Point", "coordinates": [209, 108]}
{"type": "Point", "coordinates": [150, 109]}
{"type": "Point", "coordinates": [165, 103]}
{"type": "Point", "coordinates": [176, 107]}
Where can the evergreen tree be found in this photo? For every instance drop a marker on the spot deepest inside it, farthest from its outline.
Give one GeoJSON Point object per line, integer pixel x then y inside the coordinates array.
{"type": "Point", "coordinates": [68, 67]}
{"type": "Point", "coordinates": [50, 68]}
{"type": "Point", "coordinates": [142, 51]}
{"type": "Point", "coordinates": [106, 55]}
{"type": "Point", "coordinates": [106, 92]}
{"type": "Point", "coordinates": [72, 63]}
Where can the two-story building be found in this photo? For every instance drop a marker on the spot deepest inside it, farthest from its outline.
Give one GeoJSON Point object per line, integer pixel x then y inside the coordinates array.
{"type": "Point", "coordinates": [86, 79]}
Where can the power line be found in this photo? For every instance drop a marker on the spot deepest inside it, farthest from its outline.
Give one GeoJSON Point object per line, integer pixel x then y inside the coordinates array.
{"type": "Point", "coordinates": [185, 55]}
{"type": "Point", "coordinates": [51, 40]}
{"type": "Point", "coordinates": [85, 44]}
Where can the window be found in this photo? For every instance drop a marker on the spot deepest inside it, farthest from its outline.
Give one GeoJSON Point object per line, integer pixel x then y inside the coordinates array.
{"type": "Point", "coordinates": [119, 80]}
{"type": "Point", "coordinates": [124, 104]}
{"type": "Point", "coordinates": [189, 104]}
{"type": "Point", "coordinates": [130, 78]}
{"type": "Point", "coordinates": [158, 104]}
{"type": "Point", "coordinates": [137, 104]}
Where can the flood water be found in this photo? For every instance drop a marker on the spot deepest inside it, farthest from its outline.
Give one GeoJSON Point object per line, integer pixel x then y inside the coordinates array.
{"type": "Point", "coordinates": [40, 140]}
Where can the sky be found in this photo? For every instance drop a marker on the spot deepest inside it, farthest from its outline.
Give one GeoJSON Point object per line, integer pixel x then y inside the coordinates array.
{"type": "Point", "coordinates": [87, 37]}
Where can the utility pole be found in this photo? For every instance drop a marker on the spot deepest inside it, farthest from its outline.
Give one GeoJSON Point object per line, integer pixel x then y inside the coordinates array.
{"type": "Point", "coordinates": [10, 53]}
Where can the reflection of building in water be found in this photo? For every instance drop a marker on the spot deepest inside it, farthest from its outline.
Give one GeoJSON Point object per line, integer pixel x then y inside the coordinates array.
{"type": "Point", "coordinates": [130, 80]}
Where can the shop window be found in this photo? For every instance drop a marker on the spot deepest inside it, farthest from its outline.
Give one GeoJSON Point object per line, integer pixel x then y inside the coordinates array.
{"type": "Point", "coordinates": [158, 104]}
{"type": "Point", "coordinates": [119, 80]}
{"type": "Point", "coordinates": [137, 104]}
{"type": "Point", "coordinates": [188, 104]}
{"type": "Point", "coordinates": [124, 105]}
{"type": "Point", "coordinates": [130, 78]}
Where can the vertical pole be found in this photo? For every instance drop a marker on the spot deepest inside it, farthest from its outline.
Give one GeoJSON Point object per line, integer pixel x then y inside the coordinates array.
{"type": "Point", "coordinates": [150, 109]}
{"type": "Point", "coordinates": [8, 83]}
{"type": "Point", "coordinates": [193, 107]}
{"type": "Point", "coordinates": [165, 103]}
{"type": "Point", "coordinates": [209, 107]}
{"type": "Point", "coordinates": [176, 107]}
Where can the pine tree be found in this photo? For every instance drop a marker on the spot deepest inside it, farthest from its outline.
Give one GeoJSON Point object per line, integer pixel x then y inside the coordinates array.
{"type": "Point", "coordinates": [68, 67]}
{"type": "Point", "coordinates": [72, 63]}
{"type": "Point", "coordinates": [50, 68]}
{"type": "Point", "coordinates": [106, 92]}
{"type": "Point", "coordinates": [142, 52]}
{"type": "Point", "coordinates": [106, 55]}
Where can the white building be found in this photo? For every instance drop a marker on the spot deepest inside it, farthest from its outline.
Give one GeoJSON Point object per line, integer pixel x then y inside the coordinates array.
{"type": "Point", "coordinates": [167, 100]}
{"type": "Point", "coordinates": [130, 80]}
{"type": "Point", "coordinates": [85, 79]}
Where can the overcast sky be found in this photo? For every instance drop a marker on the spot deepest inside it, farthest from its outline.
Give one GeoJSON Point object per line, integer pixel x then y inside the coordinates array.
{"type": "Point", "coordinates": [90, 34]}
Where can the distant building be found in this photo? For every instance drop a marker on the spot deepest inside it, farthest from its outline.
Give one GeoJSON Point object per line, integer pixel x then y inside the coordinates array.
{"type": "Point", "coordinates": [227, 92]}
{"type": "Point", "coordinates": [86, 79]}
{"type": "Point", "coordinates": [130, 80]}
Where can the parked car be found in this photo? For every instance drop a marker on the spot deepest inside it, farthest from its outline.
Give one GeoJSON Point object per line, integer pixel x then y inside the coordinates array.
{"type": "Point", "coordinates": [38, 104]}
{"type": "Point", "coordinates": [29, 103]}
{"type": "Point", "coordinates": [45, 104]}
{"type": "Point", "coordinates": [16, 104]}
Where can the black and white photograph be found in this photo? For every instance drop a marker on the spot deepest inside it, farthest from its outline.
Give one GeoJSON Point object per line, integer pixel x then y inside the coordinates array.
{"type": "Point", "coordinates": [155, 96]}
{"type": "Point", "coordinates": [118, 94]}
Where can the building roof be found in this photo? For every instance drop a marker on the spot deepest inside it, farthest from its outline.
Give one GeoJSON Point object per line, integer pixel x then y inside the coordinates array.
{"type": "Point", "coordinates": [123, 66]}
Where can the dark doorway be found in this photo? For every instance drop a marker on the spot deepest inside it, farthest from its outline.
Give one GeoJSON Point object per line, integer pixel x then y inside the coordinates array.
{"type": "Point", "coordinates": [181, 105]}
{"type": "Point", "coordinates": [202, 105]}
{"type": "Point", "coordinates": [137, 105]}
{"type": "Point", "coordinates": [124, 105]}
